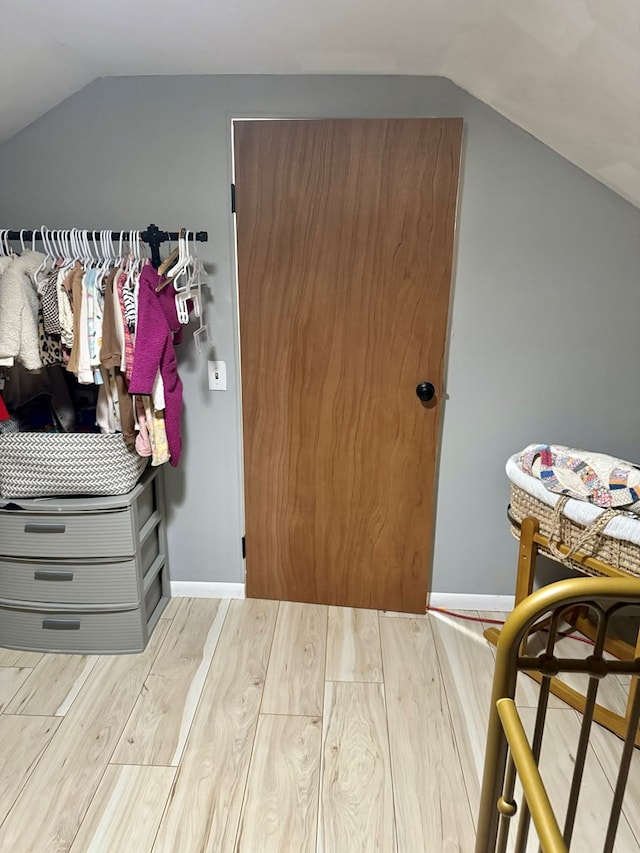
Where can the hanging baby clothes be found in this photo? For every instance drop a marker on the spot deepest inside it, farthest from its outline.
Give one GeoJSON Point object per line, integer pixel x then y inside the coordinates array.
{"type": "Point", "coordinates": [157, 433]}
{"type": "Point", "coordinates": [143, 442]}
{"type": "Point", "coordinates": [115, 406]}
{"type": "Point", "coordinates": [50, 346]}
{"type": "Point", "coordinates": [85, 373]}
{"type": "Point", "coordinates": [152, 435]}
{"type": "Point", "coordinates": [6, 361]}
{"type": "Point", "coordinates": [49, 321]}
{"type": "Point", "coordinates": [65, 312]}
{"type": "Point", "coordinates": [128, 351]}
{"type": "Point", "coordinates": [49, 303]}
{"type": "Point", "coordinates": [130, 304]}
{"type": "Point", "coordinates": [19, 305]}
{"type": "Point", "coordinates": [110, 352]}
{"type": "Point", "coordinates": [125, 405]}
{"type": "Point", "coordinates": [73, 283]}
{"type": "Point", "coordinates": [157, 330]}
{"type": "Point", "coordinates": [95, 309]}
{"type": "Point", "coordinates": [108, 409]}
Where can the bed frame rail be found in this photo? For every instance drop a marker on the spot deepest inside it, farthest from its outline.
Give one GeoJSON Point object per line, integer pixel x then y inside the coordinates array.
{"type": "Point", "coordinates": [509, 753]}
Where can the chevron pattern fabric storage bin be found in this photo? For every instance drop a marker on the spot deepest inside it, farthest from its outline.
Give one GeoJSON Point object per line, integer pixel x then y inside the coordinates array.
{"type": "Point", "coordinates": [53, 464]}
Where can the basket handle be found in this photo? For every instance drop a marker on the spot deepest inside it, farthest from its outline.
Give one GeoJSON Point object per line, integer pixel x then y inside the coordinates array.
{"type": "Point", "coordinates": [593, 531]}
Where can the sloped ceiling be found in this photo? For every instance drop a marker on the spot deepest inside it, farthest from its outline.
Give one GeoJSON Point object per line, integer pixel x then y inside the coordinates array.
{"type": "Point", "coordinates": [567, 71]}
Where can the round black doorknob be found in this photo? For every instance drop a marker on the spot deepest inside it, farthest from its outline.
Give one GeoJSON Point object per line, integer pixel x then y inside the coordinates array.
{"type": "Point", "coordinates": [425, 391]}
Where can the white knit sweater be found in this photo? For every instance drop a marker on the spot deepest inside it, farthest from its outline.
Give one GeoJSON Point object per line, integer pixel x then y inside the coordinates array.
{"type": "Point", "coordinates": [19, 304]}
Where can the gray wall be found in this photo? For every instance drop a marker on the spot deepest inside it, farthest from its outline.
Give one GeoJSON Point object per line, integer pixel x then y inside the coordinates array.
{"type": "Point", "coordinates": [544, 341]}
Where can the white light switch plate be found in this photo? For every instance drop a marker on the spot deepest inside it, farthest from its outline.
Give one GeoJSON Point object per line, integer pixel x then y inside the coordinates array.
{"type": "Point", "coordinates": [217, 375]}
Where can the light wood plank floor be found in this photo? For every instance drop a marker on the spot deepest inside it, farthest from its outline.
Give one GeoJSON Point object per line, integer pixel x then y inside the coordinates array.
{"type": "Point", "coordinates": [256, 726]}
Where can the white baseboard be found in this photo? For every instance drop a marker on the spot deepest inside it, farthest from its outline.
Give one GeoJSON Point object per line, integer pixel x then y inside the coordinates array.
{"type": "Point", "coordinates": [203, 589]}
{"type": "Point", "coordinates": [450, 600]}
{"type": "Point", "coordinates": [472, 601]}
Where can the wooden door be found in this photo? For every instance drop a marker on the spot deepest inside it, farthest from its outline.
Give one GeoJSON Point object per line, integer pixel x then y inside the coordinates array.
{"type": "Point", "coordinates": [345, 240]}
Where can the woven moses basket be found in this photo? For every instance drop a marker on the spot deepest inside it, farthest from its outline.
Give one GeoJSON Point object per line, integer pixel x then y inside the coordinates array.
{"type": "Point", "coordinates": [588, 540]}
{"type": "Point", "coordinates": [52, 464]}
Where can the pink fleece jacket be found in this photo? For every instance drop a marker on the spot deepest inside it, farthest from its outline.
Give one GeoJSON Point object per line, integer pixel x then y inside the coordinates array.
{"type": "Point", "coordinates": [157, 329]}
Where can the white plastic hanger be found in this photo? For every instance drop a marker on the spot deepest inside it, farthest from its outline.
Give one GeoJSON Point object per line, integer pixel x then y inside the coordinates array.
{"type": "Point", "coordinates": [120, 254]}
{"type": "Point", "coordinates": [70, 255]}
{"type": "Point", "coordinates": [197, 273]}
{"type": "Point", "coordinates": [76, 248]}
{"type": "Point", "coordinates": [96, 249]}
{"type": "Point", "coordinates": [88, 258]}
{"type": "Point", "coordinates": [63, 247]}
{"type": "Point", "coordinates": [201, 336]}
{"type": "Point", "coordinates": [134, 262]}
{"type": "Point", "coordinates": [82, 250]}
{"type": "Point", "coordinates": [102, 264]}
{"type": "Point", "coordinates": [181, 282]}
{"type": "Point", "coordinates": [196, 280]}
{"type": "Point", "coordinates": [5, 248]}
{"type": "Point", "coordinates": [183, 259]}
{"type": "Point", "coordinates": [137, 255]}
{"type": "Point", "coordinates": [129, 259]}
{"type": "Point", "coordinates": [54, 254]}
{"type": "Point", "coordinates": [47, 254]}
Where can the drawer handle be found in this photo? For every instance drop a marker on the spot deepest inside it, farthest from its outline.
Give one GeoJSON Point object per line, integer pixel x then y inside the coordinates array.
{"type": "Point", "coordinates": [40, 527]}
{"type": "Point", "coordinates": [61, 624]}
{"type": "Point", "coordinates": [47, 575]}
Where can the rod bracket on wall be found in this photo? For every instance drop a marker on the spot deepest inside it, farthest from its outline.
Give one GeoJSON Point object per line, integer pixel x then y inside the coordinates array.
{"type": "Point", "coordinates": [155, 237]}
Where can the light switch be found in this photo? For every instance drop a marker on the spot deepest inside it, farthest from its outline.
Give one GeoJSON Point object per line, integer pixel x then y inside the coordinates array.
{"type": "Point", "coordinates": [217, 375]}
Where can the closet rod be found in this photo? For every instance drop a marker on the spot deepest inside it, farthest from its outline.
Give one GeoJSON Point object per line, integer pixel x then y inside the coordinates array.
{"type": "Point", "coordinates": [152, 235]}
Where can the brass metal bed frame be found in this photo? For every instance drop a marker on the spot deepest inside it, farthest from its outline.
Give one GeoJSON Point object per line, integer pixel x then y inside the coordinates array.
{"type": "Point", "coordinates": [531, 542]}
{"type": "Point", "coordinates": [509, 754]}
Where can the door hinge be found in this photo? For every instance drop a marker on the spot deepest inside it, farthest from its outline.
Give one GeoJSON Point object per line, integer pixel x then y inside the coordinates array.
{"type": "Point", "coordinates": [244, 548]}
{"type": "Point", "coordinates": [233, 198]}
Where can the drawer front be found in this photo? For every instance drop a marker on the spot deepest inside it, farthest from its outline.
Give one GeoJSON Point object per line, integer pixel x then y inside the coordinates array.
{"type": "Point", "coordinates": [84, 633]}
{"type": "Point", "coordinates": [69, 582]}
{"type": "Point", "coordinates": [59, 537]}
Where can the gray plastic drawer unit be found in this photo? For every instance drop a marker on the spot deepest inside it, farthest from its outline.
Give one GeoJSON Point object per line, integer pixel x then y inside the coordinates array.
{"type": "Point", "coordinates": [84, 575]}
